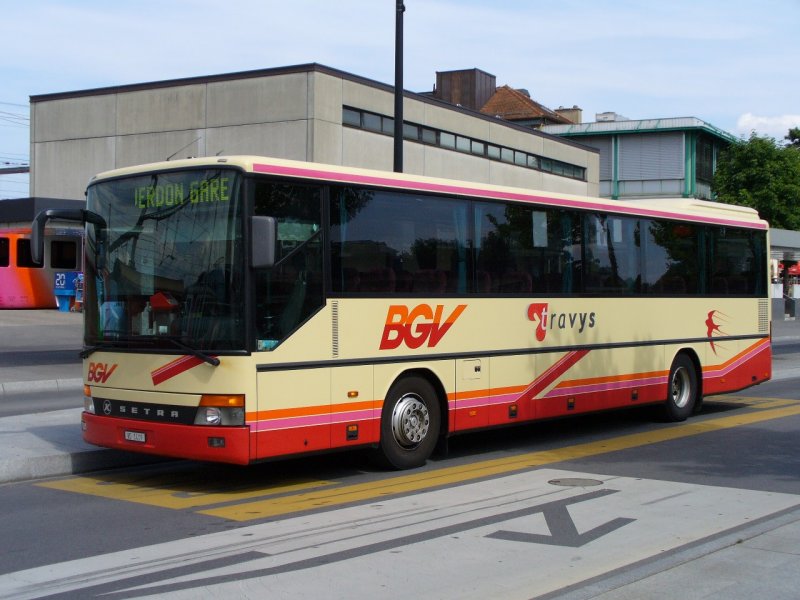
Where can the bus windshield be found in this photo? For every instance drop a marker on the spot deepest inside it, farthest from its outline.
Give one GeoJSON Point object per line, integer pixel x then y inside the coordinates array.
{"type": "Point", "coordinates": [168, 271]}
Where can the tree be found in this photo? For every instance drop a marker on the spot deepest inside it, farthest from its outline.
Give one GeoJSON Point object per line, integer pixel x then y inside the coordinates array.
{"type": "Point", "coordinates": [764, 175]}
{"type": "Point", "coordinates": [794, 137]}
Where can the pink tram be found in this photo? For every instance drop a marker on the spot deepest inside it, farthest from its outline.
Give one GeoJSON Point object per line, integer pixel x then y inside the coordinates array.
{"type": "Point", "coordinates": [25, 284]}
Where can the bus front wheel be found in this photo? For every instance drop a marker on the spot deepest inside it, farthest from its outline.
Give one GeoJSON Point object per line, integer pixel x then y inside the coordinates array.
{"type": "Point", "coordinates": [410, 423]}
{"type": "Point", "coordinates": [682, 389]}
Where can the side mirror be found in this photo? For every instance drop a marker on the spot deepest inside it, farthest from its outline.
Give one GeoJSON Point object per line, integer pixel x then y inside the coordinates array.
{"type": "Point", "coordinates": [263, 241]}
{"type": "Point", "coordinates": [64, 214]}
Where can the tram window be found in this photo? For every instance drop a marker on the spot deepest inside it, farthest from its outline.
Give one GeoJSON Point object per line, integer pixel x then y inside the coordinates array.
{"type": "Point", "coordinates": [4, 252]}
{"type": "Point", "coordinates": [63, 254]}
{"type": "Point", "coordinates": [24, 258]}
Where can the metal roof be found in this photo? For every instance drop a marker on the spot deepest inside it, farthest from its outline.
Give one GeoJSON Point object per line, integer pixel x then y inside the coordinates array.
{"type": "Point", "coordinates": [23, 210]}
{"type": "Point", "coordinates": [638, 126]}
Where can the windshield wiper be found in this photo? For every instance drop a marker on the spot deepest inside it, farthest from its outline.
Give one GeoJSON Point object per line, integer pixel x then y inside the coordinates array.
{"type": "Point", "coordinates": [89, 350]}
{"type": "Point", "coordinates": [212, 360]}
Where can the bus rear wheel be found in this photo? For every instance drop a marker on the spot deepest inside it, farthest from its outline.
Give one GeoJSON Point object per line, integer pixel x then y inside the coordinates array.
{"type": "Point", "coordinates": [682, 390]}
{"type": "Point", "coordinates": [410, 423]}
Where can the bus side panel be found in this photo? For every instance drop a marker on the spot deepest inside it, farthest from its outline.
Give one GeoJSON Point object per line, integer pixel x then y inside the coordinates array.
{"type": "Point", "coordinates": [732, 366]}
{"type": "Point", "coordinates": [472, 403]}
{"type": "Point", "coordinates": [355, 412]}
{"type": "Point", "coordinates": [605, 379]}
{"type": "Point", "coordinates": [511, 378]}
{"type": "Point", "coordinates": [294, 412]}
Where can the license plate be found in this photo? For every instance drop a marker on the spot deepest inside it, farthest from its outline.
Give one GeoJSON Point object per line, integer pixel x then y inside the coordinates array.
{"type": "Point", "coordinates": [136, 436]}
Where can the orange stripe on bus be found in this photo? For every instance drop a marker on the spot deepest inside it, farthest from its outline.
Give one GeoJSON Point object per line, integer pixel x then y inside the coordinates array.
{"type": "Point", "coordinates": [612, 378]}
{"type": "Point", "coordinates": [305, 411]}
{"type": "Point", "coordinates": [730, 361]}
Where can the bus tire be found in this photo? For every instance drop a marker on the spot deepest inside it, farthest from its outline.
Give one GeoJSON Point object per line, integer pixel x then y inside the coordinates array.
{"type": "Point", "coordinates": [410, 423]}
{"type": "Point", "coordinates": [682, 389]}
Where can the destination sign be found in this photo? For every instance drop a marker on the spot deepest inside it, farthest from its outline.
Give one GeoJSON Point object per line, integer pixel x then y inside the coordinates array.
{"type": "Point", "coordinates": [217, 189]}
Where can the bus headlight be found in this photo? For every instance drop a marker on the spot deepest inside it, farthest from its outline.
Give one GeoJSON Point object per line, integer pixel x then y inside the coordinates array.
{"type": "Point", "coordinates": [210, 416]}
{"type": "Point", "coordinates": [88, 401]}
{"type": "Point", "coordinates": [220, 409]}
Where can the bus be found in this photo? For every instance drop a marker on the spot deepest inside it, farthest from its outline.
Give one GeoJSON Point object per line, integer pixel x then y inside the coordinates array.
{"type": "Point", "coordinates": [27, 284]}
{"type": "Point", "coordinates": [239, 309]}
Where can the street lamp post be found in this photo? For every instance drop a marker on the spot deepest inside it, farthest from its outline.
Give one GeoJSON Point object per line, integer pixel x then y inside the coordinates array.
{"type": "Point", "coordinates": [398, 88]}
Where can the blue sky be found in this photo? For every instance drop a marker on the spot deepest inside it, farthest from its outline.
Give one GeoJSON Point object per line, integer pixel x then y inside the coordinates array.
{"type": "Point", "coordinates": [732, 63]}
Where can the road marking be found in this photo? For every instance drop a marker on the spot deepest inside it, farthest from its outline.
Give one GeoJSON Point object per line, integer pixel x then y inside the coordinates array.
{"type": "Point", "coordinates": [166, 493]}
{"type": "Point", "coordinates": [562, 530]}
{"type": "Point", "coordinates": [288, 497]}
{"type": "Point", "coordinates": [378, 545]}
{"type": "Point", "coordinates": [414, 482]}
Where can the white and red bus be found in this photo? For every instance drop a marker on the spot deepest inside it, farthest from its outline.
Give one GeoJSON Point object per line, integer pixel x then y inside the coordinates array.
{"type": "Point", "coordinates": [241, 308]}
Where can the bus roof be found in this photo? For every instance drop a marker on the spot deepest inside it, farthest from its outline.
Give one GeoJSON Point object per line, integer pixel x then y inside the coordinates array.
{"type": "Point", "coordinates": [663, 208]}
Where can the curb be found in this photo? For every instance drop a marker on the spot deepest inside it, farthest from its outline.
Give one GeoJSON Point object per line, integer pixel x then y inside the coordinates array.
{"type": "Point", "coordinates": [40, 386]}
{"type": "Point", "coordinates": [61, 464]}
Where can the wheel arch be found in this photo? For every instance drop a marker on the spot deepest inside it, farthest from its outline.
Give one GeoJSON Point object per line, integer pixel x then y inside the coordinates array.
{"type": "Point", "coordinates": [438, 386]}
{"type": "Point", "coordinates": [698, 368]}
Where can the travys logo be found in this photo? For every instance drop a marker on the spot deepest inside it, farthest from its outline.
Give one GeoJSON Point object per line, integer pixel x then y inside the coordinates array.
{"type": "Point", "coordinates": [546, 320]}
{"type": "Point", "coordinates": [416, 326]}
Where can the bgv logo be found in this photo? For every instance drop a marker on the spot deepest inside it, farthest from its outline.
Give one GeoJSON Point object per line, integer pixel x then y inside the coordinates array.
{"type": "Point", "coordinates": [416, 326]}
{"type": "Point", "coordinates": [100, 372]}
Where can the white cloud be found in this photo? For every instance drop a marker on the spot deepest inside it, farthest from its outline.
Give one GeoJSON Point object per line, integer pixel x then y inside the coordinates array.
{"type": "Point", "coordinates": [776, 127]}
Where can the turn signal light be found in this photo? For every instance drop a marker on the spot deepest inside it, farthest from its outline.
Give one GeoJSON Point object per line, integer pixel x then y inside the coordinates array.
{"type": "Point", "coordinates": [223, 400]}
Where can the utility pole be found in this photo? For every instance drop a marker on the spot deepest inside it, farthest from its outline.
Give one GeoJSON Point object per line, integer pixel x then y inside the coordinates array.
{"type": "Point", "coordinates": [398, 88]}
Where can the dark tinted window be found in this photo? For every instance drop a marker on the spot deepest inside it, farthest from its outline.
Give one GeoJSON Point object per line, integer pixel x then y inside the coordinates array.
{"type": "Point", "coordinates": [290, 291]}
{"type": "Point", "coordinates": [24, 255]}
{"type": "Point", "coordinates": [402, 244]}
{"type": "Point", "coordinates": [521, 250]}
{"type": "Point", "coordinates": [64, 254]}
{"type": "Point", "coordinates": [737, 264]}
{"type": "Point", "coordinates": [4, 252]}
{"type": "Point", "coordinates": [672, 258]}
{"type": "Point", "coordinates": [612, 254]}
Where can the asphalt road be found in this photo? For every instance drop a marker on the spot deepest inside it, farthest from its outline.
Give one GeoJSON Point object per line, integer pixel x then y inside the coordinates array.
{"type": "Point", "coordinates": [521, 512]}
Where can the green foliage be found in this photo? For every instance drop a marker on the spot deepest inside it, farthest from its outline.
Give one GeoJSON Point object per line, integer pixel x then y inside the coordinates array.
{"type": "Point", "coordinates": [764, 175]}
{"type": "Point", "coordinates": [794, 137]}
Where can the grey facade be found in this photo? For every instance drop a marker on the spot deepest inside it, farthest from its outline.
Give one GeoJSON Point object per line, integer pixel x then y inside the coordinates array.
{"type": "Point", "coordinates": [295, 113]}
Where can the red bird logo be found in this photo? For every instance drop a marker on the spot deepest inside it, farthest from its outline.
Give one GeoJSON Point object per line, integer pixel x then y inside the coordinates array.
{"type": "Point", "coordinates": [713, 327]}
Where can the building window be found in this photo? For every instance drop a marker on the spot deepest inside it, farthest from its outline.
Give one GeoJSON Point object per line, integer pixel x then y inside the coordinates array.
{"type": "Point", "coordinates": [447, 140]}
{"type": "Point", "coordinates": [410, 131]}
{"type": "Point", "coordinates": [351, 117]}
{"type": "Point", "coordinates": [363, 119]}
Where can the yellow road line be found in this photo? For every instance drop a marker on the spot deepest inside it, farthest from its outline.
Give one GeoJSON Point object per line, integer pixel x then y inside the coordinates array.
{"type": "Point", "coordinates": [256, 502]}
{"type": "Point", "coordinates": [463, 473]}
{"type": "Point", "coordinates": [753, 402]}
{"type": "Point", "coordinates": [171, 495]}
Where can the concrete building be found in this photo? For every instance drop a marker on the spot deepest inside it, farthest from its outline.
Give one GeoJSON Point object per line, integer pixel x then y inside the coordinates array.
{"type": "Point", "coordinates": [651, 158]}
{"type": "Point", "coordinates": [307, 112]}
